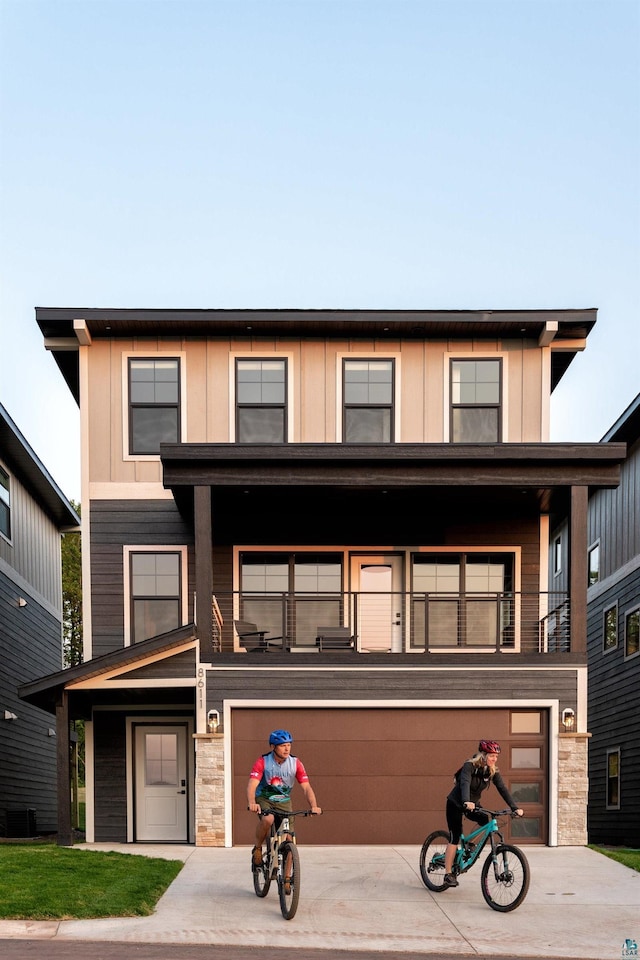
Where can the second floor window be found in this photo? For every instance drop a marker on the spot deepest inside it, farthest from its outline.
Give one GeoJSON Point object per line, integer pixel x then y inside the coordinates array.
{"type": "Point", "coordinates": [476, 397]}
{"type": "Point", "coordinates": [5, 504]}
{"type": "Point", "coordinates": [632, 633]}
{"type": "Point", "coordinates": [156, 600]}
{"type": "Point", "coordinates": [610, 633]}
{"type": "Point", "coordinates": [154, 404]}
{"type": "Point", "coordinates": [368, 401]}
{"type": "Point", "coordinates": [261, 401]}
{"type": "Point", "coordinates": [594, 564]}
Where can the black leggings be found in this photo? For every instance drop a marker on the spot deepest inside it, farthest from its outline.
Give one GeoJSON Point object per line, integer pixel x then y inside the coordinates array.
{"type": "Point", "coordinates": [454, 819]}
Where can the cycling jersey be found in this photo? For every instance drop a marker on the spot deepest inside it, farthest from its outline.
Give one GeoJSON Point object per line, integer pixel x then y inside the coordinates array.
{"type": "Point", "coordinates": [277, 779]}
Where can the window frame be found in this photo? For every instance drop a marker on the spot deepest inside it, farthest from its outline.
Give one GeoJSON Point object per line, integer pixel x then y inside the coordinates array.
{"type": "Point", "coordinates": [632, 612]}
{"type": "Point", "coordinates": [238, 358]}
{"type": "Point", "coordinates": [499, 406]}
{"type": "Point", "coordinates": [133, 549]}
{"type": "Point", "coordinates": [395, 422]}
{"type": "Point", "coordinates": [127, 438]}
{"type": "Point", "coordinates": [594, 548]}
{"type": "Point", "coordinates": [557, 555]}
{"type": "Point", "coordinates": [6, 499]}
{"type": "Point", "coordinates": [608, 779]}
{"type": "Point", "coordinates": [612, 607]}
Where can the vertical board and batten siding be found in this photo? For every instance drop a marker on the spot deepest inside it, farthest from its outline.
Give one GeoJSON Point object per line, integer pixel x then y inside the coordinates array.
{"type": "Point", "coordinates": [614, 518]}
{"type": "Point", "coordinates": [114, 524]}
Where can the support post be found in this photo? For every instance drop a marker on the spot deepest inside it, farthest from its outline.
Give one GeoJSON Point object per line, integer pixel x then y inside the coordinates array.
{"type": "Point", "coordinates": [204, 571]}
{"type": "Point", "coordinates": [578, 569]}
{"type": "Point", "coordinates": [63, 765]}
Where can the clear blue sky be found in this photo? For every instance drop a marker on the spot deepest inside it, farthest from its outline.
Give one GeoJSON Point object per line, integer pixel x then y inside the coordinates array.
{"type": "Point", "coordinates": [354, 153]}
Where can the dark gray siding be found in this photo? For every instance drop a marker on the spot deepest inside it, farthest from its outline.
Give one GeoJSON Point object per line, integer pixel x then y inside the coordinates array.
{"type": "Point", "coordinates": [109, 738]}
{"type": "Point", "coordinates": [114, 524]}
{"type": "Point", "coordinates": [30, 647]}
{"type": "Point", "coordinates": [614, 518]}
{"type": "Point", "coordinates": [170, 668]}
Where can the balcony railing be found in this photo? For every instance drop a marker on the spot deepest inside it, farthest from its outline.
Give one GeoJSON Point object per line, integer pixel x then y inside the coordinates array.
{"type": "Point", "coordinates": [403, 622]}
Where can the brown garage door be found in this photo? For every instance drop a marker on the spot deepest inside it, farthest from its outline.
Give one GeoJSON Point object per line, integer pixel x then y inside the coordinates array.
{"type": "Point", "coordinates": [382, 775]}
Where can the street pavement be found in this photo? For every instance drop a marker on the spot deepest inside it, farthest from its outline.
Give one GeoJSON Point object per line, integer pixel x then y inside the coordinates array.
{"type": "Point", "coordinates": [581, 905]}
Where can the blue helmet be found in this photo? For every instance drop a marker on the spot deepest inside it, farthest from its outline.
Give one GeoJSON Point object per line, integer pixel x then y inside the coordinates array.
{"type": "Point", "coordinates": [280, 736]}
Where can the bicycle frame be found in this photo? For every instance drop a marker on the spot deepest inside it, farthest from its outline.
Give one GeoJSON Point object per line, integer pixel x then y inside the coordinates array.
{"type": "Point", "coordinates": [466, 858]}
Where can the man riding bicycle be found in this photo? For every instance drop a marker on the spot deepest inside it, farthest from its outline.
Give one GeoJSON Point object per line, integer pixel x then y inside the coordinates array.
{"type": "Point", "coordinates": [270, 784]}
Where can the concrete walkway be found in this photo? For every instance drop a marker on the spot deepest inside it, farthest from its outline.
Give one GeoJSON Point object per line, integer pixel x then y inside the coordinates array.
{"type": "Point", "coordinates": [581, 905]}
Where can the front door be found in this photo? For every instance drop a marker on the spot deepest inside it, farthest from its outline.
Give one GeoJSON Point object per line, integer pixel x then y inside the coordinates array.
{"type": "Point", "coordinates": [379, 602]}
{"type": "Point", "coordinates": [161, 782]}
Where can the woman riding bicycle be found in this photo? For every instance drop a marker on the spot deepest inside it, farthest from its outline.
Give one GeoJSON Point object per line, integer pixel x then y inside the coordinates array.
{"type": "Point", "coordinates": [473, 777]}
{"type": "Point", "coordinates": [270, 783]}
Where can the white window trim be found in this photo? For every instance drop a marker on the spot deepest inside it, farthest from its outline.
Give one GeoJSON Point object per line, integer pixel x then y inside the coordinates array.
{"type": "Point", "coordinates": [258, 354]}
{"type": "Point", "coordinates": [611, 806]}
{"type": "Point", "coordinates": [397, 392]}
{"type": "Point", "coordinates": [179, 355]}
{"type": "Point", "coordinates": [476, 355]}
{"type": "Point", "coordinates": [126, 573]}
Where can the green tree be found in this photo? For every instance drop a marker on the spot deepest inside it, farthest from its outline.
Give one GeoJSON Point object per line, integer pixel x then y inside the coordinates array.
{"type": "Point", "coordinates": [72, 596]}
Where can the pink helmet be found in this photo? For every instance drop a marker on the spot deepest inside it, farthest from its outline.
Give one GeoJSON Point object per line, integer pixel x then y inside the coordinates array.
{"type": "Point", "coordinates": [489, 746]}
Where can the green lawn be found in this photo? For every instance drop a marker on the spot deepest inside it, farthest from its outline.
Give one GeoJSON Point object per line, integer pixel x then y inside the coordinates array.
{"type": "Point", "coordinates": [625, 855]}
{"type": "Point", "coordinates": [47, 882]}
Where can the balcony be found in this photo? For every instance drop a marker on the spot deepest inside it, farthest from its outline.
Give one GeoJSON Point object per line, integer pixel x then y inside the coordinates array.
{"type": "Point", "coordinates": [401, 623]}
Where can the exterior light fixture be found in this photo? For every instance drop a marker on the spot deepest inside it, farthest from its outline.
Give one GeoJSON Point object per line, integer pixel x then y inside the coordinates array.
{"type": "Point", "coordinates": [9, 716]}
{"type": "Point", "coordinates": [213, 721]}
{"type": "Point", "coordinates": [22, 602]}
{"type": "Point", "coordinates": [568, 718]}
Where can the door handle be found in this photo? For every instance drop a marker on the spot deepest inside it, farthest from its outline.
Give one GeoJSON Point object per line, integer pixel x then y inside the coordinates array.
{"type": "Point", "coordinates": [181, 791]}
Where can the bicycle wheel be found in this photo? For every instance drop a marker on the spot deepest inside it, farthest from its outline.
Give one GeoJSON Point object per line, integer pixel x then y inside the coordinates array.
{"type": "Point", "coordinates": [289, 882]}
{"type": "Point", "coordinates": [506, 889]}
{"type": "Point", "coordinates": [262, 876]}
{"type": "Point", "coordinates": [432, 860]}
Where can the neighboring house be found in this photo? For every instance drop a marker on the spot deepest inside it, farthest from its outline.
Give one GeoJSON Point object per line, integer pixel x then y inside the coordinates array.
{"type": "Point", "coordinates": [384, 472]}
{"type": "Point", "coordinates": [613, 644]}
{"type": "Point", "coordinates": [33, 516]}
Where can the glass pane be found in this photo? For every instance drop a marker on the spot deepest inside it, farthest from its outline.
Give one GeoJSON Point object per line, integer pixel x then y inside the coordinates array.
{"type": "Point", "coordinates": [153, 381]}
{"type": "Point", "coordinates": [528, 827]}
{"type": "Point", "coordinates": [261, 425]}
{"type": "Point", "coordinates": [153, 426]}
{"type": "Point", "coordinates": [317, 577]}
{"type": "Point", "coordinates": [260, 381]}
{"type": "Point", "coordinates": [311, 614]}
{"type": "Point", "coordinates": [475, 425]}
{"type": "Point", "coordinates": [611, 628]}
{"type": "Point", "coordinates": [484, 577]}
{"type": "Point", "coordinates": [440, 576]}
{"type": "Point", "coordinates": [367, 425]}
{"type": "Point", "coordinates": [613, 763]}
{"type": "Point", "coordinates": [594, 565]}
{"type": "Point", "coordinates": [443, 623]}
{"type": "Point", "coordinates": [155, 574]}
{"type": "Point", "coordinates": [161, 759]}
{"type": "Point", "coordinates": [368, 381]}
{"type": "Point", "coordinates": [268, 614]}
{"type": "Point", "coordinates": [153, 617]}
{"type": "Point", "coordinates": [418, 623]}
{"type": "Point", "coordinates": [525, 758]}
{"type": "Point", "coordinates": [4, 486]}
{"type": "Point", "coordinates": [632, 633]}
{"type": "Point", "coordinates": [482, 622]}
{"type": "Point", "coordinates": [526, 722]}
{"type": "Point", "coordinates": [261, 577]}
{"type": "Point", "coordinates": [526, 792]}
{"type": "Point", "coordinates": [5, 520]}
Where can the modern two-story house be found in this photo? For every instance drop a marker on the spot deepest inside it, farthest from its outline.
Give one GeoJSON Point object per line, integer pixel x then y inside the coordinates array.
{"type": "Point", "coordinates": [335, 522]}
{"type": "Point", "coordinates": [34, 514]}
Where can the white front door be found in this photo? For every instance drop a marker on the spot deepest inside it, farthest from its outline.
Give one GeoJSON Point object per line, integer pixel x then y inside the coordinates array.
{"type": "Point", "coordinates": [379, 599]}
{"type": "Point", "coordinates": [161, 782]}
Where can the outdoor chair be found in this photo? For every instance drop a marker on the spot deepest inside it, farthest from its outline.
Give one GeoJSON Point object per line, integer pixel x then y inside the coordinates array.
{"type": "Point", "coordinates": [255, 640]}
{"type": "Point", "coordinates": [335, 639]}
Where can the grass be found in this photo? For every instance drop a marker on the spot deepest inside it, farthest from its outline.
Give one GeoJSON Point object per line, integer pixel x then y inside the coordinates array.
{"type": "Point", "coordinates": [625, 855]}
{"type": "Point", "coordinates": [47, 882]}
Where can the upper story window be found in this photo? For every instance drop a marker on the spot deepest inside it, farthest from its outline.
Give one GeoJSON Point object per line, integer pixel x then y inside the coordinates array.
{"type": "Point", "coordinates": [154, 403]}
{"type": "Point", "coordinates": [368, 390]}
{"type": "Point", "coordinates": [610, 629]}
{"type": "Point", "coordinates": [632, 633]}
{"type": "Point", "coordinates": [155, 593]}
{"type": "Point", "coordinates": [557, 556]}
{"type": "Point", "coordinates": [476, 397]}
{"type": "Point", "coordinates": [261, 401]}
{"type": "Point", "coordinates": [5, 504]}
{"type": "Point", "coordinates": [593, 564]}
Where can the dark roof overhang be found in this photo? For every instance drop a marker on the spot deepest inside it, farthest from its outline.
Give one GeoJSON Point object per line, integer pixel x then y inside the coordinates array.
{"type": "Point", "coordinates": [566, 326]}
{"type": "Point", "coordinates": [627, 426]}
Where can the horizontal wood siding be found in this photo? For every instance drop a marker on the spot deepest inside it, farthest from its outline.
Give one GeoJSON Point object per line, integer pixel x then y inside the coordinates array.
{"type": "Point", "coordinates": [114, 524]}
{"type": "Point", "coordinates": [169, 668]}
{"type": "Point", "coordinates": [110, 777]}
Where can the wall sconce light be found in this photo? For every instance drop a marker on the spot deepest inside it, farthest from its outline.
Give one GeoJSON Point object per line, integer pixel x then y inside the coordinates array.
{"type": "Point", "coordinates": [568, 718]}
{"type": "Point", "coordinates": [51, 732]}
{"type": "Point", "coordinates": [213, 721]}
{"type": "Point", "coordinates": [9, 716]}
{"type": "Point", "coordinates": [22, 602]}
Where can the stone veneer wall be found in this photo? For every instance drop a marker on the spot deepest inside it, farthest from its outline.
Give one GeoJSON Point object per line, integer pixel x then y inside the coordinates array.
{"type": "Point", "coordinates": [573, 788]}
{"type": "Point", "coordinates": [209, 799]}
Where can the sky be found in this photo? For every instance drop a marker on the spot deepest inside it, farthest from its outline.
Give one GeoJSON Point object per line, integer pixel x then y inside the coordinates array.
{"type": "Point", "coordinates": [373, 154]}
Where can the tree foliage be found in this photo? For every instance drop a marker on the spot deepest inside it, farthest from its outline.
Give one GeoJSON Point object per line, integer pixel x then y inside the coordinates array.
{"type": "Point", "coordinates": [72, 596]}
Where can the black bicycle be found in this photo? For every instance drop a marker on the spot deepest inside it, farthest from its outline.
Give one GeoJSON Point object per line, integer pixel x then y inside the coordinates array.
{"type": "Point", "coordinates": [505, 873]}
{"type": "Point", "coordinates": [281, 862]}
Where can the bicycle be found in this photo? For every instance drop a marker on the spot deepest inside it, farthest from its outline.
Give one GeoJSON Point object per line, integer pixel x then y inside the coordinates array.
{"type": "Point", "coordinates": [281, 863]}
{"type": "Point", "coordinates": [505, 873]}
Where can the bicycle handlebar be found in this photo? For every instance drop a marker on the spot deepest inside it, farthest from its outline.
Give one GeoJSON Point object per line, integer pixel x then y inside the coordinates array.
{"type": "Point", "coordinates": [507, 812]}
{"type": "Point", "coordinates": [287, 813]}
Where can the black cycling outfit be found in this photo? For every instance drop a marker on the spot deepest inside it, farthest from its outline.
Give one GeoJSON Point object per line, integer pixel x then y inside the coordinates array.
{"type": "Point", "coordinates": [470, 784]}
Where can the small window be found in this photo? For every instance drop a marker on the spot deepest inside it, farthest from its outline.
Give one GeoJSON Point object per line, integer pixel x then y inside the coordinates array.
{"type": "Point", "coordinates": [594, 564]}
{"type": "Point", "coordinates": [522, 722]}
{"type": "Point", "coordinates": [5, 504]}
{"type": "Point", "coordinates": [610, 629]}
{"type": "Point", "coordinates": [156, 599]}
{"type": "Point", "coordinates": [526, 758]}
{"type": "Point", "coordinates": [261, 401]}
{"type": "Point", "coordinates": [154, 404]}
{"type": "Point", "coordinates": [476, 397]}
{"type": "Point", "coordinates": [557, 555]}
{"type": "Point", "coordinates": [526, 792]}
{"type": "Point", "coordinates": [368, 401]}
{"type": "Point", "coordinates": [613, 779]}
{"type": "Point", "coordinates": [632, 633]}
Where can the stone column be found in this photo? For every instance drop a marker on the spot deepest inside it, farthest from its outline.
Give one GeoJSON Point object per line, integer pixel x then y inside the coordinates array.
{"type": "Point", "coordinates": [209, 798]}
{"type": "Point", "coordinates": [573, 788]}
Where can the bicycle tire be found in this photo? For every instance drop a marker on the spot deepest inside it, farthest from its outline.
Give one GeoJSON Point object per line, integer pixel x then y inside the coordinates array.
{"type": "Point", "coordinates": [432, 860]}
{"type": "Point", "coordinates": [262, 877]}
{"type": "Point", "coordinates": [506, 892]}
{"type": "Point", "coordinates": [289, 893]}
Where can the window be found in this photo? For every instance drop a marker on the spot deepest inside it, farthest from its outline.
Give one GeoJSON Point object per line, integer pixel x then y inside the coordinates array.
{"type": "Point", "coordinates": [368, 389]}
{"type": "Point", "coordinates": [610, 633]}
{"type": "Point", "coordinates": [261, 401]}
{"type": "Point", "coordinates": [594, 564]}
{"type": "Point", "coordinates": [292, 594]}
{"type": "Point", "coordinates": [632, 633]}
{"type": "Point", "coordinates": [154, 404]}
{"type": "Point", "coordinates": [557, 555]}
{"type": "Point", "coordinates": [613, 779]}
{"type": "Point", "coordinates": [475, 401]}
{"type": "Point", "coordinates": [5, 504]}
{"type": "Point", "coordinates": [155, 593]}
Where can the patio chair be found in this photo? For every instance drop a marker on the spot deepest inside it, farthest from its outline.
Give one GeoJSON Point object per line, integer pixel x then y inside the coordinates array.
{"type": "Point", "coordinates": [255, 640]}
{"type": "Point", "coordinates": [335, 639]}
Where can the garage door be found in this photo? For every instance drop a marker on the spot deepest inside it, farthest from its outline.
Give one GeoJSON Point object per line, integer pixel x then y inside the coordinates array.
{"type": "Point", "coordinates": [382, 775]}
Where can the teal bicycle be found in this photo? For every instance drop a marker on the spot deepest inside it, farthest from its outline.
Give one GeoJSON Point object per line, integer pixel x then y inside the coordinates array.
{"type": "Point", "coordinates": [505, 872]}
